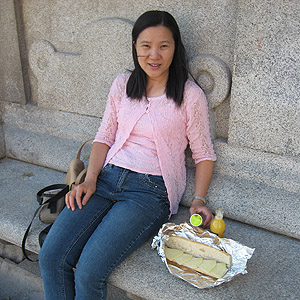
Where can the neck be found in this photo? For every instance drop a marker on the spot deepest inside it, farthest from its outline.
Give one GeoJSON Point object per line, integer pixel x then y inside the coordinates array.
{"type": "Point", "coordinates": [156, 87]}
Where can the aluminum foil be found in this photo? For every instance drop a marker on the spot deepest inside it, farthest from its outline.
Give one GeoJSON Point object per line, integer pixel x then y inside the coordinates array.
{"type": "Point", "coordinates": [239, 253]}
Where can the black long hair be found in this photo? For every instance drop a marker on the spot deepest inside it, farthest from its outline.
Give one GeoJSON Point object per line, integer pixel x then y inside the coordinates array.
{"type": "Point", "coordinates": [178, 71]}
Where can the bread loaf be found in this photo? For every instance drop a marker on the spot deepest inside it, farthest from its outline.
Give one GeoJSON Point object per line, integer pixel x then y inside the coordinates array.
{"type": "Point", "coordinates": [198, 249]}
{"type": "Point", "coordinates": [208, 267]}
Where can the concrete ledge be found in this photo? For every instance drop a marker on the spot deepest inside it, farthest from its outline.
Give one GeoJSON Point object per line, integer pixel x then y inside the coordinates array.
{"type": "Point", "coordinates": [23, 282]}
{"type": "Point", "coordinates": [244, 179]}
{"type": "Point", "coordinates": [271, 271]}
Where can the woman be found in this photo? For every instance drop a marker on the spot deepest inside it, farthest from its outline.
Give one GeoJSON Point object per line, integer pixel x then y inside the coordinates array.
{"type": "Point", "coordinates": [136, 173]}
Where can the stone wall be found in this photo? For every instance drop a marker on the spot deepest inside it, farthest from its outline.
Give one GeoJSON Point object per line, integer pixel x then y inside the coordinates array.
{"type": "Point", "coordinates": [265, 106]}
{"type": "Point", "coordinates": [11, 78]}
{"type": "Point", "coordinates": [244, 53]}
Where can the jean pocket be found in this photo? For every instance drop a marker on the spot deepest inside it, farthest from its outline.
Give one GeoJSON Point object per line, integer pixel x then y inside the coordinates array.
{"type": "Point", "coordinates": [155, 183]}
{"type": "Point", "coordinates": [105, 169]}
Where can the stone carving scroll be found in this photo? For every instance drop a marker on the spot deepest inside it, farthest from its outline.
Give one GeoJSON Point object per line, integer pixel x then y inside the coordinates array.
{"type": "Point", "coordinates": [214, 77]}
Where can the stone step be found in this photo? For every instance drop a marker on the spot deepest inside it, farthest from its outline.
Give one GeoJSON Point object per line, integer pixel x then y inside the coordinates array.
{"type": "Point", "coordinates": [244, 179]}
{"type": "Point", "coordinates": [23, 281]}
{"type": "Point", "coordinates": [271, 271]}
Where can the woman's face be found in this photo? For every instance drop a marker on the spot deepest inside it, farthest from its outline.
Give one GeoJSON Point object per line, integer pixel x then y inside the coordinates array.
{"type": "Point", "coordinates": [155, 48]}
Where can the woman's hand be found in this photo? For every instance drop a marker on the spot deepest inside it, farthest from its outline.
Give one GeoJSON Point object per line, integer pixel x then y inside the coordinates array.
{"type": "Point", "coordinates": [87, 188]}
{"type": "Point", "coordinates": [198, 208]}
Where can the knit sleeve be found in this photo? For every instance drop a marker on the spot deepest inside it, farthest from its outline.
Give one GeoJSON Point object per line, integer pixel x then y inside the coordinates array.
{"type": "Point", "coordinates": [107, 131]}
{"type": "Point", "coordinates": [198, 130]}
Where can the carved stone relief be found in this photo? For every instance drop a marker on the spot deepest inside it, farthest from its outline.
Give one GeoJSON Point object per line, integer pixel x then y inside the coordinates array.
{"type": "Point", "coordinates": [78, 81]}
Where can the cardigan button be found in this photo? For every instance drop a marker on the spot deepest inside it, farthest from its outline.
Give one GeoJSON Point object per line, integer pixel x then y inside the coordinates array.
{"type": "Point", "coordinates": [147, 108]}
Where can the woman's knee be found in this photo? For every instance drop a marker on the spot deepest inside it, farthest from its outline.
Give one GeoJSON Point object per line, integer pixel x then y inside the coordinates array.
{"type": "Point", "coordinates": [45, 263]}
{"type": "Point", "coordinates": [86, 277]}
{"type": "Point", "coordinates": [47, 257]}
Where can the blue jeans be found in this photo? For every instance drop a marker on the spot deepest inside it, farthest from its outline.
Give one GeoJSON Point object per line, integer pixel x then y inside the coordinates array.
{"type": "Point", "coordinates": [124, 212]}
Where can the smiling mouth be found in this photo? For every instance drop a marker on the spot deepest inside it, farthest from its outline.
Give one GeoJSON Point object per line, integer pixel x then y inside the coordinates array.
{"type": "Point", "coordinates": [154, 65]}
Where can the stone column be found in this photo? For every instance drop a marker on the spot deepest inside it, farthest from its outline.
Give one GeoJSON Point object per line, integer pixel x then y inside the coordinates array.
{"type": "Point", "coordinates": [11, 80]}
{"type": "Point", "coordinates": [265, 103]}
{"type": "Point", "coordinates": [262, 158]}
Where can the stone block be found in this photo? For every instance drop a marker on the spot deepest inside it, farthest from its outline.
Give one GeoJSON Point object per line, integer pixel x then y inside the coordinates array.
{"type": "Point", "coordinates": [11, 80]}
{"type": "Point", "coordinates": [265, 102]}
{"type": "Point", "coordinates": [11, 252]}
{"type": "Point", "coordinates": [72, 42]}
{"type": "Point", "coordinates": [17, 283]}
{"type": "Point", "coordinates": [2, 141]}
{"type": "Point", "coordinates": [79, 81]}
{"type": "Point", "coordinates": [214, 77]}
{"type": "Point", "coordinates": [261, 278]}
{"type": "Point", "coordinates": [253, 187]}
{"type": "Point", "coordinates": [19, 184]}
{"type": "Point", "coordinates": [133, 274]}
{"type": "Point", "coordinates": [2, 145]}
{"type": "Point", "coordinates": [29, 283]}
{"type": "Point", "coordinates": [250, 185]}
{"type": "Point", "coordinates": [46, 137]}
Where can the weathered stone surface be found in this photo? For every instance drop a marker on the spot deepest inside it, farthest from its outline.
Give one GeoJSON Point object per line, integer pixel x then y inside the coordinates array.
{"type": "Point", "coordinates": [68, 45]}
{"type": "Point", "coordinates": [77, 81]}
{"type": "Point", "coordinates": [29, 282]}
{"type": "Point", "coordinates": [250, 185]}
{"type": "Point", "coordinates": [46, 137]}
{"type": "Point", "coordinates": [2, 139]}
{"type": "Point", "coordinates": [63, 26]}
{"type": "Point", "coordinates": [133, 274]}
{"type": "Point", "coordinates": [2, 142]}
{"type": "Point", "coordinates": [214, 77]}
{"type": "Point", "coordinates": [11, 252]}
{"type": "Point", "coordinates": [257, 173]}
{"type": "Point", "coordinates": [18, 283]}
{"type": "Point", "coordinates": [11, 80]}
{"type": "Point", "coordinates": [253, 187]}
{"type": "Point", "coordinates": [265, 103]}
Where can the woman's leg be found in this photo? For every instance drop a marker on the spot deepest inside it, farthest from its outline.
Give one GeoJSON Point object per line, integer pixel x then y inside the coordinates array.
{"type": "Point", "coordinates": [63, 246]}
{"type": "Point", "coordinates": [141, 207]}
{"type": "Point", "coordinates": [135, 206]}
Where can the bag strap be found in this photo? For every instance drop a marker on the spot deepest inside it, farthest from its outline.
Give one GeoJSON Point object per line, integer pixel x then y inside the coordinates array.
{"type": "Point", "coordinates": [43, 234]}
{"type": "Point", "coordinates": [65, 189]}
{"type": "Point", "coordinates": [79, 150]}
{"type": "Point", "coordinates": [80, 176]}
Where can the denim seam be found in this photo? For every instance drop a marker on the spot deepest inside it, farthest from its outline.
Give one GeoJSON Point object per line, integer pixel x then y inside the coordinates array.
{"type": "Point", "coordinates": [129, 247]}
{"type": "Point", "coordinates": [122, 179]}
{"type": "Point", "coordinates": [72, 245]}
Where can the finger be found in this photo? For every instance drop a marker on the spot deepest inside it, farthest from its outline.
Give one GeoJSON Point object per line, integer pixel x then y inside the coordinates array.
{"type": "Point", "coordinates": [86, 197]}
{"type": "Point", "coordinates": [72, 200]}
{"type": "Point", "coordinates": [78, 198]}
{"type": "Point", "coordinates": [208, 220]}
{"type": "Point", "coordinates": [192, 211]}
{"type": "Point", "coordinates": [67, 200]}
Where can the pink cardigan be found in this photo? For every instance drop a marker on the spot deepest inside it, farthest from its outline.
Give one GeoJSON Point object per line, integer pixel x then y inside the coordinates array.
{"type": "Point", "coordinates": [173, 129]}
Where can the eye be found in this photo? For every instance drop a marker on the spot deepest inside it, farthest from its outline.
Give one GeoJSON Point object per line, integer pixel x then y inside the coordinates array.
{"type": "Point", "coordinates": [164, 46]}
{"type": "Point", "coordinates": [145, 46]}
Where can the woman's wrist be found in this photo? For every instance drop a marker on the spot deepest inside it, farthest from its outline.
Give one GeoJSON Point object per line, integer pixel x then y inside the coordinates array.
{"type": "Point", "coordinates": [200, 199]}
{"type": "Point", "coordinates": [91, 178]}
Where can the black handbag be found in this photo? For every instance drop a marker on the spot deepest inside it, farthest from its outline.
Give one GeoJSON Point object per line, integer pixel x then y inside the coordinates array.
{"type": "Point", "coordinates": [51, 199]}
{"type": "Point", "coordinates": [51, 203]}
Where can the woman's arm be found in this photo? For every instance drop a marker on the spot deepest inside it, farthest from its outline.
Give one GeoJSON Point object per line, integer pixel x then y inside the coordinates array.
{"type": "Point", "coordinates": [203, 175]}
{"type": "Point", "coordinates": [88, 187]}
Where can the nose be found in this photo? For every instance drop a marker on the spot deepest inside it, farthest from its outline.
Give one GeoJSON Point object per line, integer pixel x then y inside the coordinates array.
{"type": "Point", "coordinates": [154, 53]}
